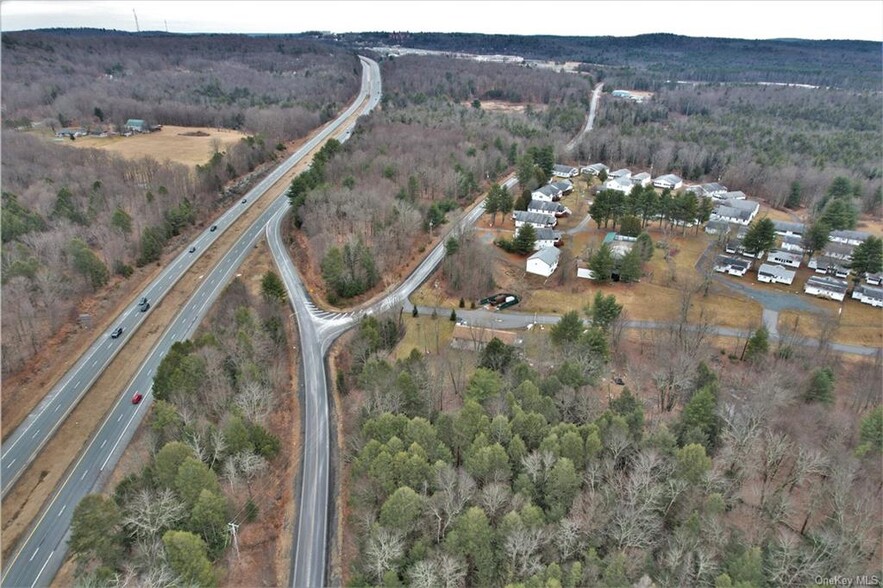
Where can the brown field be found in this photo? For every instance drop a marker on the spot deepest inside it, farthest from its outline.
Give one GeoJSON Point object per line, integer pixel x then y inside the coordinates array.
{"type": "Point", "coordinates": [499, 106]}
{"type": "Point", "coordinates": [860, 324]}
{"type": "Point", "coordinates": [171, 143]}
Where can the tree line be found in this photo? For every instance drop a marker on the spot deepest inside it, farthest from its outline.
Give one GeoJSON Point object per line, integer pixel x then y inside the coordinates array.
{"type": "Point", "coordinates": [211, 460]}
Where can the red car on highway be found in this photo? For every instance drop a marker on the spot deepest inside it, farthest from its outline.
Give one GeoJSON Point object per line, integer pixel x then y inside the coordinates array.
{"type": "Point", "coordinates": [137, 397]}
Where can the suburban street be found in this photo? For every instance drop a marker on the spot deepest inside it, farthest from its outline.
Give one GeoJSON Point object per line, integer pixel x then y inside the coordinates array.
{"type": "Point", "coordinates": [42, 552]}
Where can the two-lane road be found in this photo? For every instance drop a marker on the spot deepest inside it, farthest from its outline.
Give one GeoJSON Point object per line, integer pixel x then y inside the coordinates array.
{"type": "Point", "coordinates": [42, 552]}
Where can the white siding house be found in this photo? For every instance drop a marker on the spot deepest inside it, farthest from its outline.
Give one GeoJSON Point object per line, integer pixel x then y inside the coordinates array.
{"type": "Point", "coordinates": [643, 179]}
{"type": "Point", "coordinates": [826, 288]}
{"type": "Point", "coordinates": [564, 171]}
{"type": "Point", "coordinates": [546, 238]}
{"type": "Point", "coordinates": [670, 181]}
{"type": "Point", "coordinates": [544, 262]}
{"type": "Point", "coordinates": [784, 258]}
{"type": "Point", "coordinates": [595, 169]}
{"type": "Point", "coordinates": [788, 229]}
{"type": "Point", "coordinates": [868, 295]}
{"type": "Point", "coordinates": [731, 265]}
{"type": "Point", "coordinates": [621, 184]}
{"type": "Point", "coordinates": [775, 274]}
{"type": "Point", "coordinates": [544, 207]}
{"type": "Point", "coordinates": [793, 244]}
{"type": "Point", "coordinates": [547, 193]}
{"type": "Point", "coordinates": [536, 219]}
{"type": "Point", "coordinates": [736, 211]}
{"type": "Point", "coordinates": [849, 237]}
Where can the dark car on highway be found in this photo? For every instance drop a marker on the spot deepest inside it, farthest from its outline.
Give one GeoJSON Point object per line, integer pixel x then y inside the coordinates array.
{"type": "Point", "coordinates": [214, 228]}
{"type": "Point", "coordinates": [117, 332]}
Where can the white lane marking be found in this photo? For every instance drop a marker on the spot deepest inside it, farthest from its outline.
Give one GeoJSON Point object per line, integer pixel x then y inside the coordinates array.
{"type": "Point", "coordinates": [34, 554]}
{"type": "Point", "coordinates": [35, 434]}
{"type": "Point", "coordinates": [77, 383]}
{"type": "Point", "coordinates": [57, 406]}
{"type": "Point", "coordinates": [123, 434]}
{"type": "Point", "coordinates": [94, 363]}
{"type": "Point", "coordinates": [83, 477]}
{"type": "Point", "coordinates": [103, 443]}
{"type": "Point", "coordinates": [40, 573]}
{"type": "Point", "coordinates": [11, 462]}
{"type": "Point", "coordinates": [119, 419]}
{"type": "Point", "coordinates": [61, 512]}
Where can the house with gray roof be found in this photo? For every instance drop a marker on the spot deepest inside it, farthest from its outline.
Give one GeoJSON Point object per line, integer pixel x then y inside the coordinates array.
{"type": "Point", "coordinates": [620, 173]}
{"type": "Point", "coordinates": [544, 207]}
{"type": "Point", "coordinates": [670, 181]}
{"type": "Point", "coordinates": [874, 279]}
{"type": "Point", "coordinates": [838, 250]}
{"type": "Point", "coordinates": [789, 229]}
{"type": "Point", "coordinates": [794, 244]}
{"type": "Point", "coordinates": [566, 186]}
{"type": "Point", "coordinates": [784, 258]}
{"type": "Point", "coordinates": [822, 264]}
{"type": "Point", "coordinates": [595, 169]}
{"type": "Point", "coordinates": [774, 274]}
{"type": "Point", "coordinates": [741, 212]}
{"type": "Point", "coordinates": [535, 219]}
{"type": "Point", "coordinates": [717, 227]}
{"type": "Point", "coordinates": [564, 171]}
{"type": "Point", "coordinates": [868, 295]}
{"type": "Point", "coordinates": [136, 125]}
{"type": "Point", "coordinates": [547, 193]}
{"type": "Point", "coordinates": [642, 179]}
{"type": "Point", "coordinates": [731, 265]}
{"type": "Point", "coordinates": [849, 237]}
{"type": "Point", "coordinates": [546, 237]}
{"type": "Point", "coordinates": [620, 184]}
{"type": "Point", "coordinates": [544, 262]}
{"type": "Point", "coordinates": [831, 288]}
{"type": "Point", "coordinates": [713, 189]}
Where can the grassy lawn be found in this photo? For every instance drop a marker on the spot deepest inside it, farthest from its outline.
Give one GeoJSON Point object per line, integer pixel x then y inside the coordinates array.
{"type": "Point", "coordinates": [860, 324]}
{"type": "Point", "coordinates": [424, 333]}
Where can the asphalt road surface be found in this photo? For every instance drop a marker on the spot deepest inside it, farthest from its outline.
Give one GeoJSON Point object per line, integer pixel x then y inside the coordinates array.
{"type": "Point", "coordinates": [42, 552]}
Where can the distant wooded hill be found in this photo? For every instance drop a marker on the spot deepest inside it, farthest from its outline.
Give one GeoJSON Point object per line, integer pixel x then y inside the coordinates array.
{"type": "Point", "coordinates": [652, 59]}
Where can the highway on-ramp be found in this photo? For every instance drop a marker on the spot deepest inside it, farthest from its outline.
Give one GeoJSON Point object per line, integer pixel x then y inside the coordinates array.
{"type": "Point", "coordinates": [42, 552]}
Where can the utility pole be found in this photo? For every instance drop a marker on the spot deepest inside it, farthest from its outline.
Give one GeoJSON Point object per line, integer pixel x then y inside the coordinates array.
{"type": "Point", "coordinates": [233, 526]}
{"type": "Point", "coordinates": [137, 27]}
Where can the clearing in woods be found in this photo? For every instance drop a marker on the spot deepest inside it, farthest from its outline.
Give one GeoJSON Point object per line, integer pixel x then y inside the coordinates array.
{"type": "Point", "coordinates": [190, 146]}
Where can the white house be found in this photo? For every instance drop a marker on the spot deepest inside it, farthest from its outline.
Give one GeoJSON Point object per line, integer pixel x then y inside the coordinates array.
{"type": "Point", "coordinates": [731, 265]}
{"type": "Point", "coordinates": [595, 169]}
{"type": "Point", "coordinates": [774, 274]}
{"type": "Point", "coordinates": [741, 212]}
{"type": "Point", "coordinates": [620, 173]}
{"type": "Point", "coordinates": [826, 288]}
{"type": "Point", "coordinates": [564, 171]}
{"type": "Point", "coordinates": [642, 179]}
{"type": "Point", "coordinates": [717, 227]}
{"type": "Point", "coordinates": [548, 193]}
{"type": "Point", "coordinates": [713, 190]}
{"type": "Point", "coordinates": [732, 195]}
{"type": "Point", "coordinates": [849, 237]}
{"type": "Point", "coordinates": [566, 186]}
{"type": "Point", "coordinates": [536, 219]}
{"type": "Point", "coordinates": [544, 207]}
{"type": "Point", "coordinates": [822, 264]}
{"type": "Point", "coordinates": [793, 244]}
{"type": "Point", "coordinates": [670, 181]}
{"type": "Point", "coordinates": [869, 295]}
{"type": "Point", "coordinates": [546, 238]}
{"type": "Point", "coordinates": [544, 262]}
{"type": "Point", "coordinates": [789, 229]}
{"type": "Point", "coordinates": [838, 250]}
{"type": "Point", "coordinates": [874, 279]}
{"type": "Point", "coordinates": [784, 258]}
{"type": "Point", "coordinates": [621, 184]}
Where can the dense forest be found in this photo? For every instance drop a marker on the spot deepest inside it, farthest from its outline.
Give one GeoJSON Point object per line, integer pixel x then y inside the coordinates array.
{"type": "Point", "coordinates": [756, 139]}
{"type": "Point", "coordinates": [646, 61]}
{"type": "Point", "coordinates": [523, 467]}
{"type": "Point", "coordinates": [279, 88]}
{"type": "Point", "coordinates": [430, 150]}
{"type": "Point", "coordinates": [214, 457]}
{"type": "Point", "coordinates": [86, 220]}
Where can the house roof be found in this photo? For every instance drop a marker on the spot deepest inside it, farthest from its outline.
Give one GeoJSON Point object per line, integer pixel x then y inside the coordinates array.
{"type": "Point", "coordinates": [829, 284]}
{"type": "Point", "coordinates": [534, 217]}
{"type": "Point", "coordinates": [549, 255]}
{"type": "Point", "coordinates": [669, 178]}
{"type": "Point", "coordinates": [734, 195]}
{"type": "Point", "coordinates": [775, 270]}
{"type": "Point", "coordinates": [483, 335]}
{"type": "Point", "coordinates": [564, 168]}
{"type": "Point", "coordinates": [731, 212]}
{"type": "Point", "coordinates": [870, 291]}
{"type": "Point", "coordinates": [749, 205]}
{"type": "Point", "coordinates": [596, 167]}
{"type": "Point", "coordinates": [641, 176]}
{"type": "Point", "coordinates": [779, 254]}
{"type": "Point", "coordinates": [547, 234]}
{"type": "Point", "coordinates": [714, 187]}
{"type": "Point", "coordinates": [544, 206]}
{"type": "Point", "coordinates": [793, 240]}
{"type": "Point", "coordinates": [825, 262]}
{"type": "Point", "coordinates": [548, 190]}
{"type": "Point", "coordinates": [563, 185]}
{"type": "Point", "coordinates": [851, 235]}
{"type": "Point", "coordinates": [725, 260]}
{"type": "Point", "coordinates": [620, 173]}
{"type": "Point", "coordinates": [621, 181]}
{"type": "Point", "coordinates": [842, 249]}
{"type": "Point", "coordinates": [721, 226]}
{"type": "Point", "coordinates": [135, 122]}
{"type": "Point", "coordinates": [789, 227]}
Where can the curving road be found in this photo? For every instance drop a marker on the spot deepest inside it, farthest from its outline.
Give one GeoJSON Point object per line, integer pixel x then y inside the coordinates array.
{"type": "Point", "coordinates": [590, 119]}
{"type": "Point", "coordinates": [42, 552]}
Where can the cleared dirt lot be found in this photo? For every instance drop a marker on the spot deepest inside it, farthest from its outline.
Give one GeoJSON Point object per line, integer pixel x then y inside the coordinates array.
{"type": "Point", "coordinates": [191, 146]}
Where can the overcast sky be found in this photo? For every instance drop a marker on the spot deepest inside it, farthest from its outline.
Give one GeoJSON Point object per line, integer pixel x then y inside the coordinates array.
{"type": "Point", "coordinates": [861, 20]}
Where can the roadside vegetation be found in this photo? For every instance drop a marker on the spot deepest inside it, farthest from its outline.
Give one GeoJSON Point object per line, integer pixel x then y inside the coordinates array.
{"type": "Point", "coordinates": [212, 456]}
{"type": "Point", "coordinates": [79, 221]}
{"type": "Point", "coordinates": [524, 466]}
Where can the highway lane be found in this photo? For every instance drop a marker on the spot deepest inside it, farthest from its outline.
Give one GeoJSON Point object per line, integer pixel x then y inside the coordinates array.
{"type": "Point", "coordinates": [317, 330]}
{"type": "Point", "coordinates": [43, 551]}
{"type": "Point", "coordinates": [19, 450]}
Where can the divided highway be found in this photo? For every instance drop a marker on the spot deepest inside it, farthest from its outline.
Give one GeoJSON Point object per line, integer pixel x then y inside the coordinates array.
{"type": "Point", "coordinates": [42, 553]}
